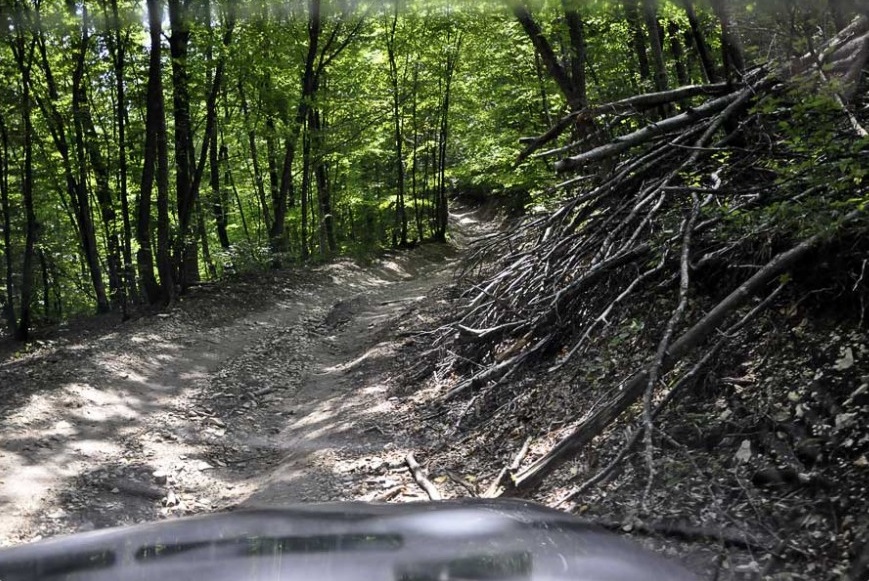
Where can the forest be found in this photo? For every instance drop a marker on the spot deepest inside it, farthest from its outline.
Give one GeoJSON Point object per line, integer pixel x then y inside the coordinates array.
{"type": "Point", "coordinates": [662, 311]}
{"type": "Point", "coordinates": [149, 146]}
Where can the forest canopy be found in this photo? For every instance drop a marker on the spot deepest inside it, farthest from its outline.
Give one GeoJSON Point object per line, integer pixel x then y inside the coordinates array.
{"type": "Point", "coordinates": [146, 146]}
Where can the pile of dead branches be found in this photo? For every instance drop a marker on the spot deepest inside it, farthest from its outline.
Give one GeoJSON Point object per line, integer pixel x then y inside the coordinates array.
{"type": "Point", "coordinates": [646, 214]}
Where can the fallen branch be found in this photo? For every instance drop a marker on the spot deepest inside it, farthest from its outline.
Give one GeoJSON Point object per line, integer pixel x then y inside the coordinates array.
{"type": "Point", "coordinates": [637, 102]}
{"type": "Point", "coordinates": [645, 134]}
{"type": "Point", "coordinates": [676, 391]}
{"type": "Point", "coordinates": [634, 387]}
{"type": "Point", "coordinates": [420, 477]}
{"type": "Point", "coordinates": [494, 488]}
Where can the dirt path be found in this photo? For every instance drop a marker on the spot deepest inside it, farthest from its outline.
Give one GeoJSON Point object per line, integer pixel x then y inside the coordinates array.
{"type": "Point", "coordinates": [244, 395]}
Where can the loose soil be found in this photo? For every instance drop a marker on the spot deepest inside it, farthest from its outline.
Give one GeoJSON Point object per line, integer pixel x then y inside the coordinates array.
{"type": "Point", "coordinates": [263, 391]}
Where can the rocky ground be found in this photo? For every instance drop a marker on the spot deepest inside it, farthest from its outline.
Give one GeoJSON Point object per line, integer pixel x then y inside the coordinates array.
{"type": "Point", "coordinates": [267, 390]}
{"type": "Point", "coordinates": [315, 384]}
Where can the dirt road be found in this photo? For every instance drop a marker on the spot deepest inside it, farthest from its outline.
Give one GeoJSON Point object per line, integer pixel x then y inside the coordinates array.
{"type": "Point", "coordinates": [266, 391]}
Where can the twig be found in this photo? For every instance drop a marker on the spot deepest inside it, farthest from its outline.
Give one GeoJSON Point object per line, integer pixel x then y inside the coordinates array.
{"type": "Point", "coordinates": [674, 392]}
{"type": "Point", "coordinates": [420, 477]}
{"type": "Point", "coordinates": [493, 490]}
{"type": "Point", "coordinates": [664, 345]}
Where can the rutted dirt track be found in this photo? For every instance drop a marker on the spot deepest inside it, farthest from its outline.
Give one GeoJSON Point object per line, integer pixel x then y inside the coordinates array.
{"type": "Point", "coordinates": [243, 395]}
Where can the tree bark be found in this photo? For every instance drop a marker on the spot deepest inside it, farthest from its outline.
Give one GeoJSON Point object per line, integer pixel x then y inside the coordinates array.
{"type": "Point", "coordinates": [577, 50]}
{"type": "Point", "coordinates": [656, 44]}
{"type": "Point", "coordinates": [574, 99]}
{"type": "Point", "coordinates": [6, 210]}
{"type": "Point", "coordinates": [155, 140]}
{"type": "Point", "coordinates": [278, 234]}
{"type": "Point", "coordinates": [400, 230]}
{"type": "Point", "coordinates": [678, 54]}
{"type": "Point", "coordinates": [700, 43]}
{"type": "Point", "coordinates": [89, 150]}
{"type": "Point", "coordinates": [259, 179]}
{"type": "Point", "coordinates": [24, 59]}
{"type": "Point", "coordinates": [731, 42]}
{"type": "Point", "coordinates": [186, 254]}
{"type": "Point", "coordinates": [638, 37]}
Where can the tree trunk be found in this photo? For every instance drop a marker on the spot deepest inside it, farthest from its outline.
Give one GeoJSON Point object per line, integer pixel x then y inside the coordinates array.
{"type": "Point", "coordinates": [544, 48]}
{"type": "Point", "coordinates": [118, 52]}
{"type": "Point", "coordinates": [577, 49]}
{"type": "Point", "coordinates": [400, 230]}
{"type": "Point", "coordinates": [417, 211]}
{"type": "Point", "coordinates": [259, 180]}
{"type": "Point", "coordinates": [305, 190]}
{"type": "Point", "coordinates": [76, 187]}
{"type": "Point", "coordinates": [6, 210]}
{"type": "Point", "coordinates": [217, 203]}
{"type": "Point", "coordinates": [678, 54]}
{"type": "Point", "coordinates": [442, 213]}
{"type": "Point", "coordinates": [638, 37]}
{"type": "Point", "coordinates": [186, 255]}
{"type": "Point", "coordinates": [328, 243]}
{"type": "Point", "coordinates": [155, 124]}
{"type": "Point", "coordinates": [656, 44]}
{"type": "Point", "coordinates": [731, 42]}
{"type": "Point", "coordinates": [89, 149]}
{"type": "Point", "coordinates": [25, 63]}
{"type": "Point", "coordinates": [278, 236]}
{"type": "Point", "coordinates": [700, 43]}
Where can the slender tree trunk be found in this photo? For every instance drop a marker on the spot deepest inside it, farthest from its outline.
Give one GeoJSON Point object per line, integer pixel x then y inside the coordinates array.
{"type": "Point", "coordinates": [46, 283]}
{"type": "Point", "coordinates": [678, 54]}
{"type": "Point", "coordinates": [656, 44]}
{"type": "Point", "coordinates": [731, 42]}
{"type": "Point", "coordinates": [76, 186]}
{"type": "Point", "coordinates": [577, 50]}
{"type": "Point", "coordinates": [638, 37]}
{"type": "Point", "coordinates": [9, 300]}
{"type": "Point", "coordinates": [400, 230]}
{"type": "Point", "coordinates": [164, 242]}
{"type": "Point", "coordinates": [700, 43]}
{"type": "Point", "coordinates": [417, 211]}
{"type": "Point", "coordinates": [89, 149]}
{"type": "Point", "coordinates": [155, 133]}
{"type": "Point", "coordinates": [550, 60]}
{"type": "Point", "coordinates": [328, 243]}
{"type": "Point", "coordinates": [25, 61]}
{"type": "Point", "coordinates": [259, 180]}
{"type": "Point", "coordinates": [305, 190]}
{"type": "Point", "coordinates": [442, 213]}
{"type": "Point", "coordinates": [186, 254]}
{"type": "Point", "coordinates": [228, 180]}
{"type": "Point", "coordinates": [119, 56]}
{"type": "Point", "coordinates": [274, 172]}
{"type": "Point", "coordinates": [309, 84]}
{"type": "Point", "coordinates": [202, 233]}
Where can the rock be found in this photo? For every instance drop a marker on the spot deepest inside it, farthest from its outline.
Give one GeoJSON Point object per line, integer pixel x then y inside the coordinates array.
{"type": "Point", "coordinates": [160, 477]}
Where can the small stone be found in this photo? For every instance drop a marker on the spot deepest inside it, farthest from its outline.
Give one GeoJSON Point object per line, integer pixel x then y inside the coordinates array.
{"type": "Point", "coordinates": [160, 477]}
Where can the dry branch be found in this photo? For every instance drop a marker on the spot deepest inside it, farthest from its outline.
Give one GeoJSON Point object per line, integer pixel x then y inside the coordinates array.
{"type": "Point", "coordinates": [634, 387]}
{"type": "Point", "coordinates": [420, 477]}
{"type": "Point", "coordinates": [637, 102]}
{"type": "Point", "coordinates": [671, 124]}
{"type": "Point", "coordinates": [676, 391]}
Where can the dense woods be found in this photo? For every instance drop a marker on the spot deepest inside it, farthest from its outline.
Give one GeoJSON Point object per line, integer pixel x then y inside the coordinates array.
{"type": "Point", "coordinates": [672, 300]}
{"type": "Point", "coordinates": [147, 146]}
